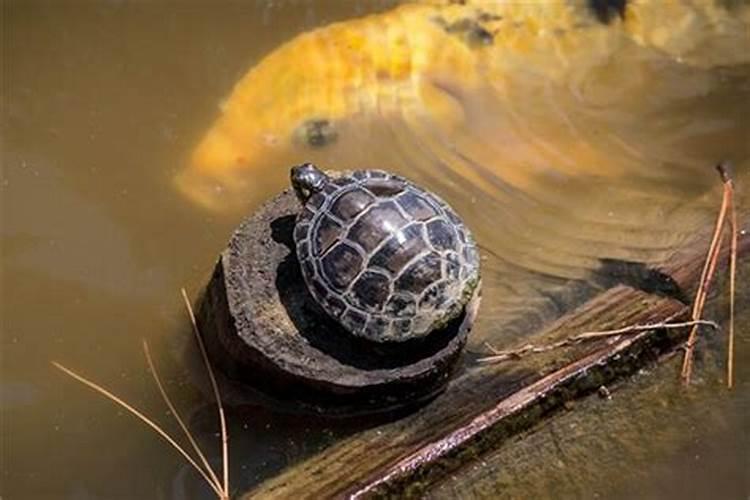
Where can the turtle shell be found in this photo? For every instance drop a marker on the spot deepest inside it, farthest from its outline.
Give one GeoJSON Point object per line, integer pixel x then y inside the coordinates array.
{"type": "Point", "coordinates": [389, 260]}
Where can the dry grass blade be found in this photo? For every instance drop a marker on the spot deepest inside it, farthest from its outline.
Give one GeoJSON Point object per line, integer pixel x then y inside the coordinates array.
{"type": "Point", "coordinates": [217, 395]}
{"type": "Point", "coordinates": [732, 284]}
{"type": "Point", "coordinates": [176, 414]}
{"type": "Point", "coordinates": [709, 269]}
{"type": "Point", "coordinates": [700, 296]}
{"type": "Point", "coordinates": [109, 395]}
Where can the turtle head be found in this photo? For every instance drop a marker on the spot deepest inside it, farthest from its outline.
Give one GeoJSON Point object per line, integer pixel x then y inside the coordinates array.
{"type": "Point", "coordinates": [307, 179]}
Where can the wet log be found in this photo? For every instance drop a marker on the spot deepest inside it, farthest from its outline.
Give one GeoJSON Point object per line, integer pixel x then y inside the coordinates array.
{"type": "Point", "coordinates": [486, 404]}
{"type": "Point", "coordinates": [263, 328]}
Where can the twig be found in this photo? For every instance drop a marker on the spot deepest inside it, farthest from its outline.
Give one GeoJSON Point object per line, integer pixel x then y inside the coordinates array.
{"type": "Point", "coordinates": [709, 269]}
{"type": "Point", "coordinates": [109, 395]}
{"type": "Point", "coordinates": [217, 395]}
{"type": "Point", "coordinates": [647, 326]}
{"type": "Point", "coordinates": [582, 337]}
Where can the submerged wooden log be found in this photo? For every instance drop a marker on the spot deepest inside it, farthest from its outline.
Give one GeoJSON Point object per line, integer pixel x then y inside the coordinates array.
{"type": "Point", "coordinates": [488, 403]}
{"type": "Point", "coordinates": [263, 327]}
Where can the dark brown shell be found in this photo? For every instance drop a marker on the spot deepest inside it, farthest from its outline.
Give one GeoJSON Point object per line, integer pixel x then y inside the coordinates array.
{"type": "Point", "coordinates": [386, 258]}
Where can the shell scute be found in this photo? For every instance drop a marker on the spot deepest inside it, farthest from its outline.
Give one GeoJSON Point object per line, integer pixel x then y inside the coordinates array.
{"type": "Point", "coordinates": [377, 327]}
{"type": "Point", "coordinates": [300, 232]}
{"type": "Point", "coordinates": [320, 290]}
{"type": "Point", "coordinates": [316, 201]}
{"type": "Point", "coordinates": [352, 203]}
{"type": "Point", "coordinates": [353, 320]}
{"type": "Point", "coordinates": [341, 265]}
{"type": "Point", "coordinates": [420, 274]}
{"type": "Point", "coordinates": [401, 306]}
{"type": "Point", "coordinates": [442, 236]}
{"type": "Point", "coordinates": [375, 224]}
{"type": "Point", "coordinates": [328, 232]}
{"type": "Point", "coordinates": [400, 248]}
{"type": "Point", "coordinates": [329, 189]}
{"type": "Point", "coordinates": [416, 206]}
{"type": "Point", "coordinates": [342, 181]}
{"type": "Point", "coordinates": [385, 188]}
{"type": "Point", "coordinates": [371, 290]}
{"type": "Point", "coordinates": [303, 248]}
{"type": "Point", "coordinates": [470, 254]}
{"type": "Point", "coordinates": [434, 296]}
{"type": "Point", "coordinates": [452, 266]}
{"type": "Point", "coordinates": [402, 328]}
{"type": "Point", "coordinates": [336, 306]}
{"type": "Point", "coordinates": [308, 267]}
{"type": "Point", "coordinates": [305, 215]}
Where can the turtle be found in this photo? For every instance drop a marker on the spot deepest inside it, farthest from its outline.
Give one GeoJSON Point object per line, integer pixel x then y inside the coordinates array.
{"type": "Point", "coordinates": [388, 260]}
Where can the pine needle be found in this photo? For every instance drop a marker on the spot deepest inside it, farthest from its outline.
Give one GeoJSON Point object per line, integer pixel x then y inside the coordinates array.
{"type": "Point", "coordinates": [217, 395]}
{"type": "Point", "coordinates": [109, 395]}
{"type": "Point", "coordinates": [177, 415]}
{"type": "Point", "coordinates": [222, 491]}
{"type": "Point", "coordinates": [709, 270]}
{"type": "Point", "coordinates": [732, 289]}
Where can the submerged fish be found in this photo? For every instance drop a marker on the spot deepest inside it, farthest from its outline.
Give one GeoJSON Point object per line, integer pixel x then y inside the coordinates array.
{"type": "Point", "coordinates": [422, 63]}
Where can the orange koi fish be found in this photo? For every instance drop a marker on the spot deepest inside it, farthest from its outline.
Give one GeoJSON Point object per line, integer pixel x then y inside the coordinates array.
{"type": "Point", "coordinates": [421, 63]}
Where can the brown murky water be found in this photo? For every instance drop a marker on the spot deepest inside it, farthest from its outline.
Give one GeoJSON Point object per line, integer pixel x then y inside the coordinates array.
{"type": "Point", "coordinates": [103, 103]}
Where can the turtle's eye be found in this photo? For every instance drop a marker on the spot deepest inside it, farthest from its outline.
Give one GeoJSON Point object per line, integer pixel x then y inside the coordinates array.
{"type": "Point", "coordinates": [316, 133]}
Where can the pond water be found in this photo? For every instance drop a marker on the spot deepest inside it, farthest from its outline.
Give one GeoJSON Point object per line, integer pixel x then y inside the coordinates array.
{"type": "Point", "coordinates": [556, 155]}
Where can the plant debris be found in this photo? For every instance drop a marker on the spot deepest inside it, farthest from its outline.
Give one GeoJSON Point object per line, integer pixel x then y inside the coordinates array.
{"type": "Point", "coordinates": [707, 275]}
{"type": "Point", "coordinates": [220, 489]}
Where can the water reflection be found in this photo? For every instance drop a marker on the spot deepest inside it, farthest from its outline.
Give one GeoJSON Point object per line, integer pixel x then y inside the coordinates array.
{"type": "Point", "coordinates": [558, 155]}
{"type": "Point", "coordinates": [549, 92]}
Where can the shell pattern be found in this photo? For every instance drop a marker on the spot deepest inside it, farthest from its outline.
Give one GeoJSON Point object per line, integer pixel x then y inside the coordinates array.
{"type": "Point", "coordinates": [389, 260]}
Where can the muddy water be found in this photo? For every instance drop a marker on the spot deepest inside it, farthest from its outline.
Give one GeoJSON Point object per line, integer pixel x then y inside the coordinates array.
{"type": "Point", "coordinates": [103, 103]}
